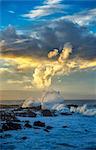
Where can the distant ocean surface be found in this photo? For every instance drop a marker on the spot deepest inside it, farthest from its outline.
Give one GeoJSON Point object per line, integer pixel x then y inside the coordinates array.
{"type": "Point", "coordinates": [79, 102]}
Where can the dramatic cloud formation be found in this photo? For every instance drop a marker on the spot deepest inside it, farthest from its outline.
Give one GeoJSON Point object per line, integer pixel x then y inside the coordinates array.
{"type": "Point", "coordinates": [53, 53]}
{"type": "Point", "coordinates": [44, 73]}
{"type": "Point", "coordinates": [50, 36]}
{"type": "Point", "coordinates": [82, 18]}
{"type": "Point", "coordinates": [64, 55]}
{"type": "Point", "coordinates": [70, 46]}
{"type": "Point", "coordinates": [47, 8]}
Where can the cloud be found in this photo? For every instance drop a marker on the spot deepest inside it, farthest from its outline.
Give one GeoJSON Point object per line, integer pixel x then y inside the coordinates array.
{"type": "Point", "coordinates": [70, 46]}
{"type": "Point", "coordinates": [51, 36]}
{"type": "Point", "coordinates": [11, 11]}
{"type": "Point", "coordinates": [47, 8]}
{"type": "Point", "coordinates": [66, 51]}
{"type": "Point", "coordinates": [2, 44]}
{"type": "Point", "coordinates": [8, 33]}
{"type": "Point", "coordinates": [82, 18]}
{"type": "Point", "coordinates": [53, 53]}
{"type": "Point", "coordinates": [42, 76]}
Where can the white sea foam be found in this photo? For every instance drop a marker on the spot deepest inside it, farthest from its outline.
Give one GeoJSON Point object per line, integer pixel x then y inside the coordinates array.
{"type": "Point", "coordinates": [31, 102]}
{"type": "Point", "coordinates": [61, 108]}
{"type": "Point", "coordinates": [84, 110]}
{"type": "Point", "coordinates": [53, 100]}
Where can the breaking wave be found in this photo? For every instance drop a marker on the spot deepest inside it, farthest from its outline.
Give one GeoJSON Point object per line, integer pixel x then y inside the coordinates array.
{"type": "Point", "coordinates": [53, 100]}
{"type": "Point", "coordinates": [80, 109]}
{"type": "Point", "coordinates": [84, 110]}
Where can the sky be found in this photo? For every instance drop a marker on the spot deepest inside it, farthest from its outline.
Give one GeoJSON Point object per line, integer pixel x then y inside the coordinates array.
{"type": "Point", "coordinates": [48, 45]}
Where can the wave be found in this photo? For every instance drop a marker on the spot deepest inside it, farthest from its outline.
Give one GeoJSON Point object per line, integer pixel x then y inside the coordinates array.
{"type": "Point", "coordinates": [84, 110]}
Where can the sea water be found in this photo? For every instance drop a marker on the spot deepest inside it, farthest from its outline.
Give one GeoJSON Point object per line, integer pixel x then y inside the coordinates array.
{"type": "Point", "coordinates": [73, 132]}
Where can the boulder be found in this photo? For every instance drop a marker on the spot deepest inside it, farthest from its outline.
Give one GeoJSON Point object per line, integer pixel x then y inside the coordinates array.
{"type": "Point", "coordinates": [4, 136]}
{"type": "Point", "coordinates": [66, 113]}
{"type": "Point", "coordinates": [49, 127]}
{"type": "Point", "coordinates": [27, 113]}
{"type": "Point", "coordinates": [24, 138]}
{"type": "Point", "coordinates": [65, 126]}
{"type": "Point", "coordinates": [31, 113]}
{"type": "Point", "coordinates": [72, 105]}
{"type": "Point", "coordinates": [6, 116]}
{"type": "Point", "coordinates": [39, 124]}
{"type": "Point", "coordinates": [46, 113]}
{"type": "Point", "coordinates": [10, 126]}
{"type": "Point", "coordinates": [27, 125]}
{"type": "Point", "coordinates": [46, 130]}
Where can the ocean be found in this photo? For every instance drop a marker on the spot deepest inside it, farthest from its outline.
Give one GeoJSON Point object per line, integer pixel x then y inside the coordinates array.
{"type": "Point", "coordinates": [76, 131]}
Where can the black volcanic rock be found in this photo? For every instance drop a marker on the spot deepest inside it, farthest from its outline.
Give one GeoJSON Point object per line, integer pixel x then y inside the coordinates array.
{"type": "Point", "coordinates": [24, 138]}
{"type": "Point", "coordinates": [10, 126]}
{"type": "Point", "coordinates": [66, 113]}
{"type": "Point", "coordinates": [27, 125]}
{"type": "Point", "coordinates": [72, 105]}
{"type": "Point", "coordinates": [31, 113]}
{"type": "Point", "coordinates": [39, 124]}
{"type": "Point", "coordinates": [27, 113]}
{"type": "Point", "coordinates": [4, 136]}
{"type": "Point", "coordinates": [46, 113]}
{"type": "Point", "coordinates": [49, 127]}
{"type": "Point", "coordinates": [65, 126]}
{"type": "Point", "coordinates": [46, 130]}
{"type": "Point", "coordinates": [6, 116]}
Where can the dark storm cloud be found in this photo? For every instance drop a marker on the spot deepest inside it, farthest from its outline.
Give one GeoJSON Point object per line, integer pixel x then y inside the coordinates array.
{"type": "Point", "coordinates": [48, 37]}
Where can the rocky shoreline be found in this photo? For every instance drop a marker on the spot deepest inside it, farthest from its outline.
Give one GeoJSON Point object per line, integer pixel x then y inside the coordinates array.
{"type": "Point", "coordinates": [9, 118]}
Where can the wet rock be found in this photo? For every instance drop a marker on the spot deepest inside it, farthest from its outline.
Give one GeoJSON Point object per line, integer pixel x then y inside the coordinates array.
{"type": "Point", "coordinates": [72, 105]}
{"type": "Point", "coordinates": [4, 136]}
{"type": "Point", "coordinates": [86, 130]}
{"type": "Point", "coordinates": [27, 125]}
{"type": "Point", "coordinates": [39, 124]}
{"type": "Point", "coordinates": [46, 130]}
{"type": "Point", "coordinates": [66, 145]}
{"type": "Point", "coordinates": [66, 113]}
{"type": "Point", "coordinates": [10, 126]}
{"type": "Point", "coordinates": [26, 113]}
{"type": "Point", "coordinates": [36, 127]}
{"type": "Point", "coordinates": [24, 138]}
{"type": "Point", "coordinates": [49, 127]}
{"type": "Point", "coordinates": [46, 113]}
{"type": "Point", "coordinates": [65, 126]}
{"type": "Point", "coordinates": [6, 116]}
{"type": "Point", "coordinates": [31, 113]}
{"type": "Point", "coordinates": [36, 108]}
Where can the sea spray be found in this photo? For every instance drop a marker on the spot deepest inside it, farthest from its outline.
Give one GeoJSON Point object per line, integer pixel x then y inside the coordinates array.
{"type": "Point", "coordinates": [31, 102]}
{"type": "Point", "coordinates": [84, 110]}
{"type": "Point", "coordinates": [51, 98]}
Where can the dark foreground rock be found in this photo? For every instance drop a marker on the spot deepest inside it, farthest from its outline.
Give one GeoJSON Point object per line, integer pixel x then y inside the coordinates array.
{"type": "Point", "coordinates": [49, 127]}
{"type": "Point", "coordinates": [6, 116]}
{"type": "Point", "coordinates": [4, 136]}
{"type": "Point", "coordinates": [46, 113]}
{"type": "Point", "coordinates": [46, 130]}
{"type": "Point", "coordinates": [24, 138]}
{"type": "Point", "coordinates": [65, 126]}
{"type": "Point", "coordinates": [10, 126]}
{"type": "Point", "coordinates": [39, 124]}
{"type": "Point", "coordinates": [66, 113]}
{"type": "Point", "coordinates": [72, 105]}
{"type": "Point", "coordinates": [27, 125]}
{"type": "Point", "coordinates": [27, 113]}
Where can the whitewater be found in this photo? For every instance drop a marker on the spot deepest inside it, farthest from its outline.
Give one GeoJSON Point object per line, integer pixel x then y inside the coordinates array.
{"type": "Point", "coordinates": [72, 128]}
